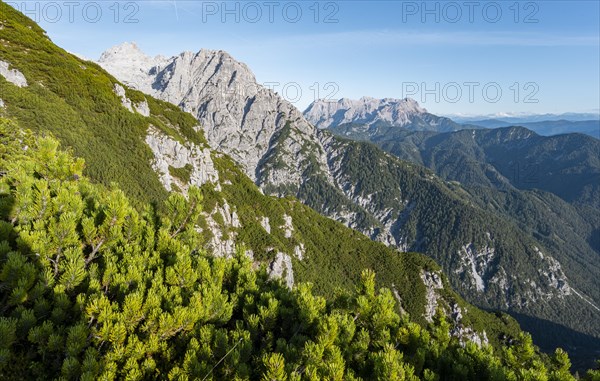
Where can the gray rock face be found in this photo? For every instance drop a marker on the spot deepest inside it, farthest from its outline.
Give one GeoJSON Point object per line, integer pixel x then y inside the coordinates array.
{"type": "Point", "coordinates": [218, 244]}
{"type": "Point", "coordinates": [239, 117]}
{"type": "Point", "coordinates": [462, 332]}
{"type": "Point", "coordinates": [366, 110]}
{"type": "Point", "coordinates": [281, 268]}
{"type": "Point", "coordinates": [12, 75]}
{"type": "Point", "coordinates": [477, 262]}
{"type": "Point", "coordinates": [432, 282]}
{"type": "Point", "coordinates": [126, 102]}
{"type": "Point", "coordinates": [287, 227]}
{"type": "Point", "coordinates": [266, 224]}
{"type": "Point", "coordinates": [141, 108]}
{"type": "Point", "coordinates": [171, 153]}
{"type": "Point", "coordinates": [299, 251]}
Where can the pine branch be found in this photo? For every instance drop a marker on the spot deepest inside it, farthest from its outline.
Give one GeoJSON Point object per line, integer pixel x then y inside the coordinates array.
{"type": "Point", "coordinates": [186, 219]}
{"type": "Point", "coordinates": [96, 248]}
{"type": "Point", "coordinates": [94, 251]}
{"type": "Point", "coordinates": [44, 206]}
{"type": "Point", "coordinates": [56, 264]}
{"type": "Point", "coordinates": [222, 358]}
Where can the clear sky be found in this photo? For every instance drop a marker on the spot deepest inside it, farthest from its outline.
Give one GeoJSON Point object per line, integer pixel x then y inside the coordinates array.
{"type": "Point", "coordinates": [454, 57]}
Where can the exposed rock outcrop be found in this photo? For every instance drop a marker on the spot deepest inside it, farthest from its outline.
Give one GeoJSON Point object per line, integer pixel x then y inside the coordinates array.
{"type": "Point", "coordinates": [126, 102]}
{"type": "Point", "coordinates": [432, 282]}
{"type": "Point", "coordinates": [13, 76]}
{"type": "Point", "coordinates": [281, 267]}
{"type": "Point", "coordinates": [223, 235]}
{"type": "Point", "coordinates": [169, 153]}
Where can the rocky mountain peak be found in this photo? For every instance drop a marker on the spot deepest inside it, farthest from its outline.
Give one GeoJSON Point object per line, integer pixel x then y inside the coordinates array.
{"type": "Point", "coordinates": [239, 116]}
{"type": "Point", "coordinates": [129, 49]}
{"type": "Point", "coordinates": [129, 55]}
{"type": "Point", "coordinates": [366, 110]}
{"type": "Point", "coordinates": [130, 65]}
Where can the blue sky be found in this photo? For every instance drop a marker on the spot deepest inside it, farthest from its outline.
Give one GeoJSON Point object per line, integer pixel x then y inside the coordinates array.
{"type": "Point", "coordinates": [454, 57]}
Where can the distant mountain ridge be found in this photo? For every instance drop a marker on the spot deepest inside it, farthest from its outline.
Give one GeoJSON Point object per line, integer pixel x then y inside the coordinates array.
{"type": "Point", "coordinates": [369, 111]}
{"type": "Point", "coordinates": [567, 165]}
{"type": "Point", "coordinates": [548, 127]}
{"type": "Point", "coordinates": [406, 113]}
{"type": "Point", "coordinates": [543, 124]}
{"type": "Point", "coordinates": [528, 118]}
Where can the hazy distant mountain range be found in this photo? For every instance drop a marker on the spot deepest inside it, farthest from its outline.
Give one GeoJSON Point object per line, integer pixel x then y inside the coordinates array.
{"type": "Point", "coordinates": [408, 114]}
{"type": "Point", "coordinates": [528, 118]}
{"type": "Point", "coordinates": [543, 124]}
{"type": "Point", "coordinates": [547, 127]}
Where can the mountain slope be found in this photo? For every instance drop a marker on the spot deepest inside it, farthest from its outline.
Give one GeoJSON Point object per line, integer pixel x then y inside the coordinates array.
{"type": "Point", "coordinates": [150, 147]}
{"type": "Point", "coordinates": [513, 157]}
{"type": "Point", "coordinates": [494, 165]}
{"type": "Point", "coordinates": [488, 258]}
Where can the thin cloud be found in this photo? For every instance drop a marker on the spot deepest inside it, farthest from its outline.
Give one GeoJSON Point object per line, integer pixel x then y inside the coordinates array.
{"type": "Point", "coordinates": [394, 37]}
